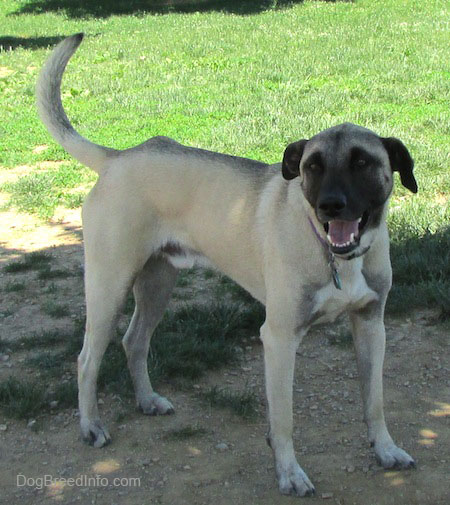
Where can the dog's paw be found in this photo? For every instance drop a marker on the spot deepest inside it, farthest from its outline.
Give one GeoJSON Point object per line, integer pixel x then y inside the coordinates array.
{"type": "Point", "coordinates": [391, 456]}
{"type": "Point", "coordinates": [94, 433]}
{"type": "Point", "coordinates": [155, 405]}
{"type": "Point", "coordinates": [294, 482]}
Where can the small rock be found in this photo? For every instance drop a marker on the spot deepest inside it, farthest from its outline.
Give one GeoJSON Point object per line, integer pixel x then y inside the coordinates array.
{"type": "Point", "coordinates": [326, 496]}
{"type": "Point", "coordinates": [155, 459]}
{"type": "Point", "coordinates": [222, 447]}
{"type": "Point", "coordinates": [31, 424]}
{"type": "Point", "coordinates": [53, 404]}
{"type": "Point", "coordinates": [4, 357]}
{"type": "Point", "coordinates": [3, 427]}
{"type": "Point", "coordinates": [187, 467]}
{"type": "Point", "coordinates": [350, 469]}
{"type": "Point", "coordinates": [100, 401]}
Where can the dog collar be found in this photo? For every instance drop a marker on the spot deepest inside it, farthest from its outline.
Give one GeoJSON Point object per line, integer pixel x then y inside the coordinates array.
{"type": "Point", "coordinates": [357, 255]}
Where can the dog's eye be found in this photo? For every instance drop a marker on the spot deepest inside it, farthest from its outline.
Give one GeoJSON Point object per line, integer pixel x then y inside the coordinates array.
{"type": "Point", "coordinates": [314, 166]}
{"type": "Point", "coordinates": [360, 163]}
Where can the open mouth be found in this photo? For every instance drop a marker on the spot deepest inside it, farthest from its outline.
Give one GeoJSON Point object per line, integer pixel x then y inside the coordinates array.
{"type": "Point", "coordinates": [344, 236]}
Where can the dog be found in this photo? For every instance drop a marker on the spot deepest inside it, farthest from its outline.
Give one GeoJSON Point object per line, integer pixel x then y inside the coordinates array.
{"type": "Point", "coordinates": [307, 237]}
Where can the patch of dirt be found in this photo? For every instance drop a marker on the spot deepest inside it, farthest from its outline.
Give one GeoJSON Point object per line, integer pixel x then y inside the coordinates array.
{"type": "Point", "coordinates": [228, 461]}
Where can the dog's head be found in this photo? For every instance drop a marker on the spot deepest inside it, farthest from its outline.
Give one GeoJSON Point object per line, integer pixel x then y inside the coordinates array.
{"type": "Point", "coordinates": [346, 175]}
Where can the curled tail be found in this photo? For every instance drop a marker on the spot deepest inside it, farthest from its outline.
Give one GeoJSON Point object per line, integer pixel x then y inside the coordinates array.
{"type": "Point", "coordinates": [51, 111]}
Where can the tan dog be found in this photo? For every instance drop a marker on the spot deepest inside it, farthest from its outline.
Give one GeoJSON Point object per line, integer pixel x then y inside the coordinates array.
{"type": "Point", "coordinates": [306, 237]}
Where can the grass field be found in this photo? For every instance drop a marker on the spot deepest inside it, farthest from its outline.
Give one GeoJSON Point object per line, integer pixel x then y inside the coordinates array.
{"type": "Point", "coordinates": [245, 78]}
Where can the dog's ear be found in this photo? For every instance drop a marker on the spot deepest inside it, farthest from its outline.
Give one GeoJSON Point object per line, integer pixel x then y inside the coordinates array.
{"type": "Point", "coordinates": [290, 167]}
{"type": "Point", "coordinates": [401, 162]}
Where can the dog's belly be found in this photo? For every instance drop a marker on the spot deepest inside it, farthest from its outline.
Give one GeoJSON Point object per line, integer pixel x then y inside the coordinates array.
{"type": "Point", "coordinates": [184, 257]}
{"type": "Point", "coordinates": [330, 302]}
{"type": "Point", "coordinates": [179, 251]}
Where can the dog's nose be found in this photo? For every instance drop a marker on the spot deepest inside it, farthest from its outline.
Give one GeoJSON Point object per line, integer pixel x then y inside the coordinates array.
{"type": "Point", "coordinates": [333, 205]}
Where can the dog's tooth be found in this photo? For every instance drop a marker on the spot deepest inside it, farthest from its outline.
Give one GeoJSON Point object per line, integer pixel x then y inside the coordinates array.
{"type": "Point", "coordinates": [329, 239]}
{"type": "Point", "coordinates": [352, 237]}
{"type": "Point", "coordinates": [360, 219]}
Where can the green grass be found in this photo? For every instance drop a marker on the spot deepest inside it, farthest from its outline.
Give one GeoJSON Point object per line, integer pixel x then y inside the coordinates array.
{"type": "Point", "coordinates": [244, 78]}
{"type": "Point", "coordinates": [47, 362]}
{"type": "Point", "coordinates": [47, 273]}
{"type": "Point", "coordinates": [66, 394]}
{"type": "Point", "coordinates": [13, 287]}
{"type": "Point", "coordinates": [23, 399]}
{"type": "Point", "coordinates": [243, 404]}
{"type": "Point", "coordinates": [54, 309]}
{"type": "Point", "coordinates": [185, 433]}
{"type": "Point", "coordinates": [421, 272]}
{"type": "Point", "coordinates": [343, 339]}
{"type": "Point", "coordinates": [188, 342]}
{"type": "Point", "coordinates": [43, 339]}
{"type": "Point", "coordinates": [194, 339]}
{"type": "Point", "coordinates": [20, 399]}
{"type": "Point", "coordinates": [31, 261]}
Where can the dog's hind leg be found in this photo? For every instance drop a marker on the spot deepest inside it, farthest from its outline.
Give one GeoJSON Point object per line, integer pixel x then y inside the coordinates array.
{"type": "Point", "coordinates": [105, 293]}
{"type": "Point", "coordinates": [115, 251]}
{"type": "Point", "coordinates": [152, 289]}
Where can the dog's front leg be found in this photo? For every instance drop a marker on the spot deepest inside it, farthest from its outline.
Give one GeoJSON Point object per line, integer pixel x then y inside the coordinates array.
{"type": "Point", "coordinates": [279, 356]}
{"type": "Point", "coordinates": [369, 338]}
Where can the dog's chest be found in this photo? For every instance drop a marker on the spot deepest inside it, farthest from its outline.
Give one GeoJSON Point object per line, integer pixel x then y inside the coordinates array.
{"type": "Point", "coordinates": [329, 302]}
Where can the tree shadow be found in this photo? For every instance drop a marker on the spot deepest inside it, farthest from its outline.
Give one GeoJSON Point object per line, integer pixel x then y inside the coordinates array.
{"type": "Point", "coordinates": [106, 8]}
{"type": "Point", "coordinates": [10, 43]}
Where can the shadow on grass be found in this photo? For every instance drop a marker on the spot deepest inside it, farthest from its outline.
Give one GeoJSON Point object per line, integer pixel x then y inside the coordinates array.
{"type": "Point", "coordinates": [8, 43]}
{"type": "Point", "coordinates": [421, 268]}
{"type": "Point", "coordinates": [106, 8]}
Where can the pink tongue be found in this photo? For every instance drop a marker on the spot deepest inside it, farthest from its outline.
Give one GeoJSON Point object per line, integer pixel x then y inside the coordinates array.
{"type": "Point", "coordinates": [340, 231]}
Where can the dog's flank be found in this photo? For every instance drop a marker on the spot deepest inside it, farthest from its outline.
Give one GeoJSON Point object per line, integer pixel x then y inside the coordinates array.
{"type": "Point", "coordinates": [160, 206]}
{"type": "Point", "coordinates": [51, 111]}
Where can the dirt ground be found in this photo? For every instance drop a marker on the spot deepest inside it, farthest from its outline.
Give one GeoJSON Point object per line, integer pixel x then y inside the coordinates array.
{"type": "Point", "coordinates": [227, 461]}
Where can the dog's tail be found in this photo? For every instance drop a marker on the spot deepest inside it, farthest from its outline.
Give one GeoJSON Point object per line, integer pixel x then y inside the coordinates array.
{"type": "Point", "coordinates": [52, 113]}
